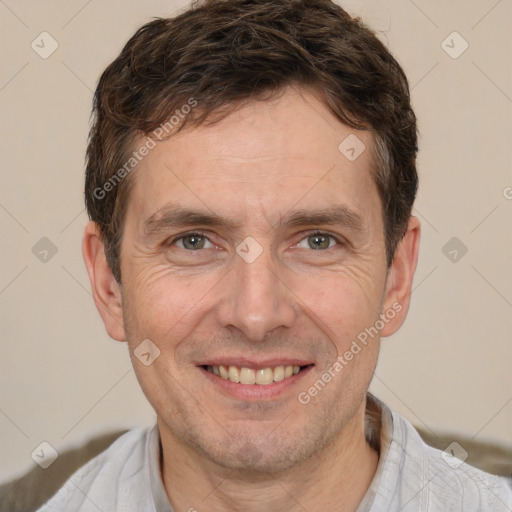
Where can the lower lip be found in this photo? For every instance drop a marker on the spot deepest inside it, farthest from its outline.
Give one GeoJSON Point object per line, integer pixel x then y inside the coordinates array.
{"type": "Point", "coordinates": [256, 392]}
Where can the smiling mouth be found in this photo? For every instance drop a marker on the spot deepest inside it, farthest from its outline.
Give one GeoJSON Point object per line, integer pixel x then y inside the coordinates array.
{"type": "Point", "coordinates": [262, 376]}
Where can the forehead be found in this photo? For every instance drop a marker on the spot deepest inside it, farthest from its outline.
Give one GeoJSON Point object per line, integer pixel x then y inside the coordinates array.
{"type": "Point", "coordinates": [265, 157]}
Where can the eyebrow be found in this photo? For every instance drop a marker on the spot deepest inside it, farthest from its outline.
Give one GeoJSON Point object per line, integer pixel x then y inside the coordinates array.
{"type": "Point", "coordinates": [178, 216]}
{"type": "Point", "coordinates": [337, 215]}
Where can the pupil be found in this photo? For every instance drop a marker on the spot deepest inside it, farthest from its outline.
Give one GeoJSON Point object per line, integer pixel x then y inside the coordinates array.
{"type": "Point", "coordinates": [318, 242]}
{"type": "Point", "coordinates": [194, 242]}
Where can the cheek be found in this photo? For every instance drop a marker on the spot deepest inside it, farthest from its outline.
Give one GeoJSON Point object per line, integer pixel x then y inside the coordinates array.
{"type": "Point", "coordinates": [165, 306]}
{"type": "Point", "coordinates": [344, 301]}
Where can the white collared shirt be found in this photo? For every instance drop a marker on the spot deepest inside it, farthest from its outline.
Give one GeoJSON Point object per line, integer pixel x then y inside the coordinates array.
{"type": "Point", "coordinates": [410, 477]}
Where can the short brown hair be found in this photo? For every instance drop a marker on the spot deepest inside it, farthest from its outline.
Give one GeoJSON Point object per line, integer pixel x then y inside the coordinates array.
{"type": "Point", "coordinates": [222, 53]}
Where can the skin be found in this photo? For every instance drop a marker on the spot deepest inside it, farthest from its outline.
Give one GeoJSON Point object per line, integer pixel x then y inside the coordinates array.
{"type": "Point", "coordinates": [254, 169]}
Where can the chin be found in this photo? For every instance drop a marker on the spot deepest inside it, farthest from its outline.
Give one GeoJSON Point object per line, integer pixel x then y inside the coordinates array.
{"type": "Point", "coordinates": [271, 455]}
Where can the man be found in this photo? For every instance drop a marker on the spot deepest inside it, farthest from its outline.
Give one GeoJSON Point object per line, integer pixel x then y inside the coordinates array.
{"type": "Point", "coordinates": [250, 180]}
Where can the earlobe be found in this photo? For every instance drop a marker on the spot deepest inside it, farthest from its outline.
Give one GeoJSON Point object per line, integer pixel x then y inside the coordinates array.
{"type": "Point", "coordinates": [105, 289]}
{"type": "Point", "coordinates": [400, 277]}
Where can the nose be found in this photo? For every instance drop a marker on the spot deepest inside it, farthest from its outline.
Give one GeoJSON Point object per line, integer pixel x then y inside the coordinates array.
{"type": "Point", "coordinates": [256, 299]}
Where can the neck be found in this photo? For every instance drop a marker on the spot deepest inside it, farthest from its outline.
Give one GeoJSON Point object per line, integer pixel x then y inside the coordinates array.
{"type": "Point", "coordinates": [335, 478]}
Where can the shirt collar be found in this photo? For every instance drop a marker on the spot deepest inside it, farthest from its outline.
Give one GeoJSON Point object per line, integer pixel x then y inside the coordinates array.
{"type": "Point", "coordinates": [379, 432]}
{"type": "Point", "coordinates": [154, 457]}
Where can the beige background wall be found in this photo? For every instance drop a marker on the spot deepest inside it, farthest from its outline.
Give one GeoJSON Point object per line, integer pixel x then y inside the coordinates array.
{"type": "Point", "coordinates": [62, 380]}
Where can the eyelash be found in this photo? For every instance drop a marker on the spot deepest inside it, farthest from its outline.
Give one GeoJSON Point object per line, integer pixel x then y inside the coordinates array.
{"type": "Point", "coordinates": [338, 240]}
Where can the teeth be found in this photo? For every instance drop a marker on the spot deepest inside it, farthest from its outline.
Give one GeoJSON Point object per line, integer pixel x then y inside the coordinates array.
{"type": "Point", "coordinates": [278, 373]}
{"type": "Point", "coordinates": [233, 374]}
{"type": "Point", "coordinates": [247, 376]}
{"type": "Point", "coordinates": [263, 376]}
{"type": "Point", "coordinates": [223, 372]}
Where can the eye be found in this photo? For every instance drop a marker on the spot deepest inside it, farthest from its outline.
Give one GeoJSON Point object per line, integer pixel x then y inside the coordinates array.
{"type": "Point", "coordinates": [317, 241]}
{"type": "Point", "coordinates": [193, 242]}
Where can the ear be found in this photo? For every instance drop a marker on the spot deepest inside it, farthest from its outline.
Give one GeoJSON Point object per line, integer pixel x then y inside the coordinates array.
{"type": "Point", "coordinates": [397, 296]}
{"type": "Point", "coordinates": [105, 289]}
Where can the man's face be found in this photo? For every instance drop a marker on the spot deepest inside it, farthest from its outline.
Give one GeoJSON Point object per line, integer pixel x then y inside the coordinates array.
{"type": "Point", "coordinates": [255, 243]}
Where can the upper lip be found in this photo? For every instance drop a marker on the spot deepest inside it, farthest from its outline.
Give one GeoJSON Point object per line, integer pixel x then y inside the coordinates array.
{"type": "Point", "coordinates": [255, 363]}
